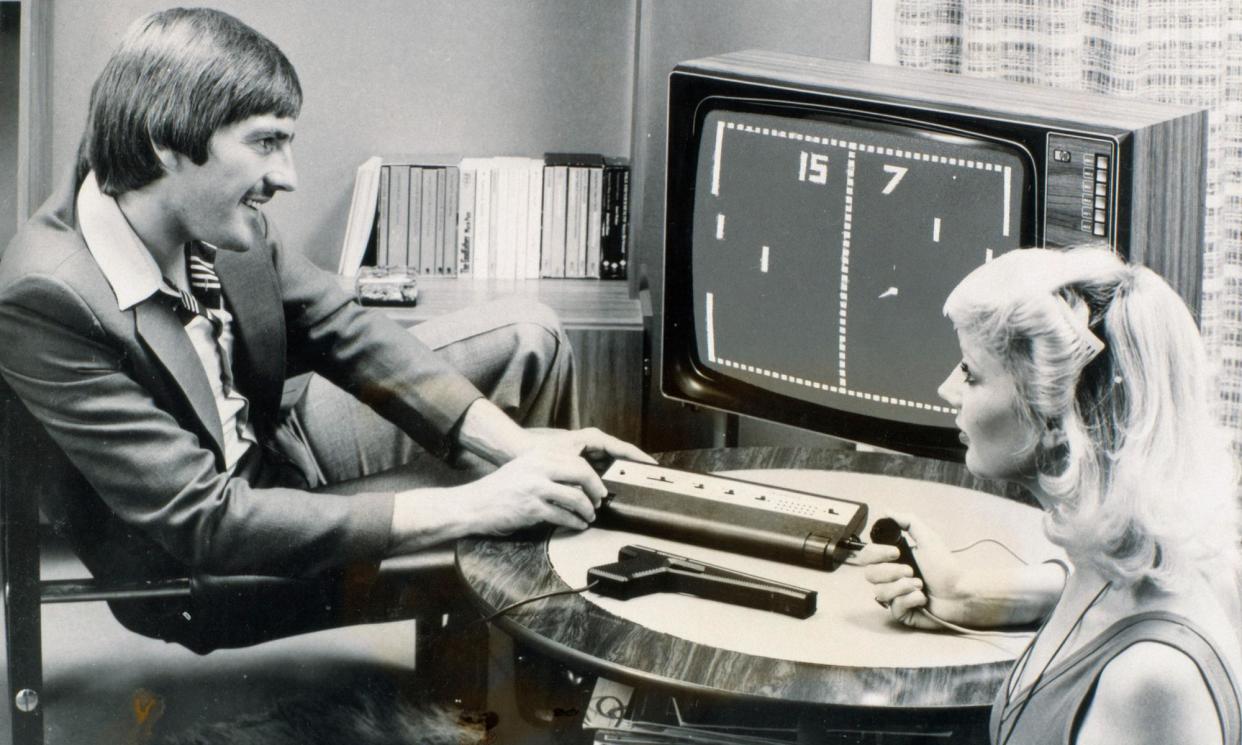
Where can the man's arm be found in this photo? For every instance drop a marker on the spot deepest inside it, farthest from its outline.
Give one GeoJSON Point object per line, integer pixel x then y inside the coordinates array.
{"type": "Point", "coordinates": [366, 353]}
{"type": "Point", "coordinates": [544, 477]}
{"type": "Point", "coordinates": [78, 379]}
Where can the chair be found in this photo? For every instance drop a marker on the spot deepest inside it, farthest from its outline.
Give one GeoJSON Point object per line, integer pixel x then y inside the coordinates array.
{"type": "Point", "coordinates": [457, 659]}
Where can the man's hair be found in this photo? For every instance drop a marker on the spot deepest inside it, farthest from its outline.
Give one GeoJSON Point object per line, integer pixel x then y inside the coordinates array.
{"type": "Point", "coordinates": [177, 76]}
{"type": "Point", "coordinates": [1143, 485]}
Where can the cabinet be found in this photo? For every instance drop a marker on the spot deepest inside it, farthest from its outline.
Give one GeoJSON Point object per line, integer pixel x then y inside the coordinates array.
{"type": "Point", "coordinates": [604, 324]}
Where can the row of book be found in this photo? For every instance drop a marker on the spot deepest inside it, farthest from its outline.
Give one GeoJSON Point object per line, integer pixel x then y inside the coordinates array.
{"type": "Point", "coordinates": [562, 215]}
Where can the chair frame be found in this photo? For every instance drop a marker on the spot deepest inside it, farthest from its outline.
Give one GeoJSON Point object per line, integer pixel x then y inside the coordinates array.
{"type": "Point", "coordinates": [438, 640]}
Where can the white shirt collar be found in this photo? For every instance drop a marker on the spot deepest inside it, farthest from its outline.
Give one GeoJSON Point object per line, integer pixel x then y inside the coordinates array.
{"type": "Point", "coordinates": [124, 260]}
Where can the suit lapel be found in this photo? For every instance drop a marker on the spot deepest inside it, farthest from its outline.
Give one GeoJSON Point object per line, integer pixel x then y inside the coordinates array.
{"type": "Point", "coordinates": [163, 333]}
{"type": "Point", "coordinates": [253, 297]}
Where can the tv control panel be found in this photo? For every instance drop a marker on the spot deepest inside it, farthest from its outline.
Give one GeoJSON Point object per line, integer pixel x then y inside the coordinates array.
{"type": "Point", "coordinates": [1080, 191]}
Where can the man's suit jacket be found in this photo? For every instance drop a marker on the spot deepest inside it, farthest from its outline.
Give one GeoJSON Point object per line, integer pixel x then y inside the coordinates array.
{"type": "Point", "coordinates": [126, 399]}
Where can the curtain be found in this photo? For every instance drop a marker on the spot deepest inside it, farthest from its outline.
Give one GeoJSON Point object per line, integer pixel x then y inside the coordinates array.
{"type": "Point", "coordinates": [1178, 51]}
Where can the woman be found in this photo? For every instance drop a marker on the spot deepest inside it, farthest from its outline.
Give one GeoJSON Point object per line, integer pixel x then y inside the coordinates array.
{"type": "Point", "coordinates": [1084, 379]}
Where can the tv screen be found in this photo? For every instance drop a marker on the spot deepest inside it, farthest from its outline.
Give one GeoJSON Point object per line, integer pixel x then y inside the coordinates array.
{"type": "Point", "coordinates": [823, 248]}
{"type": "Point", "coordinates": [818, 213]}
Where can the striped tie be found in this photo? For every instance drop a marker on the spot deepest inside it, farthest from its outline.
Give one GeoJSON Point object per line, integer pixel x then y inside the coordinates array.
{"type": "Point", "coordinates": [204, 293]}
{"type": "Point", "coordinates": [204, 284]}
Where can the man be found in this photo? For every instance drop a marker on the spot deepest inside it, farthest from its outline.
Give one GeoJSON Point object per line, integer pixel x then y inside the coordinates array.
{"type": "Point", "coordinates": [150, 318]}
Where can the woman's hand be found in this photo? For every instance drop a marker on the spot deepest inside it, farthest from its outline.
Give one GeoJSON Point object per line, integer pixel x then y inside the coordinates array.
{"type": "Point", "coordinates": [901, 592]}
{"type": "Point", "coordinates": [971, 596]}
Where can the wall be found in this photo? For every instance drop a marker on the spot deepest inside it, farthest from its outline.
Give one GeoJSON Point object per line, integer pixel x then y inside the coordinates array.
{"type": "Point", "coordinates": [10, 28]}
{"type": "Point", "coordinates": [478, 77]}
{"type": "Point", "coordinates": [668, 33]}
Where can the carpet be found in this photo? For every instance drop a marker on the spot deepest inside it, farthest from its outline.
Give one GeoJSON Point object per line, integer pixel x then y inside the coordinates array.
{"type": "Point", "coordinates": [373, 718]}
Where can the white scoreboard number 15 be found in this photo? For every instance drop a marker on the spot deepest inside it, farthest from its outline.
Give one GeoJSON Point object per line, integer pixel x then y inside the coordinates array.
{"type": "Point", "coordinates": [813, 167]}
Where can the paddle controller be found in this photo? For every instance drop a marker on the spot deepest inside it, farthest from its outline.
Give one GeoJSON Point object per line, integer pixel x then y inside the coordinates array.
{"type": "Point", "coordinates": [888, 532]}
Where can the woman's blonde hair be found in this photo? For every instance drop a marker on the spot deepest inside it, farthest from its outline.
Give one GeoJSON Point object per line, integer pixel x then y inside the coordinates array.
{"type": "Point", "coordinates": [1108, 360]}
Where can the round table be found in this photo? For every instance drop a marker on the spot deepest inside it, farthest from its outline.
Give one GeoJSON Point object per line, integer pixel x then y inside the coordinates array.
{"type": "Point", "coordinates": [861, 657]}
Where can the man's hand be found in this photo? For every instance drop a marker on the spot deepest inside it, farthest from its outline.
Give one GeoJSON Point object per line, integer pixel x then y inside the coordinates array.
{"type": "Point", "coordinates": [490, 434]}
{"type": "Point", "coordinates": [541, 486]}
{"type": "Point", "coordinates": [545, 476]}
{"type": "Point", "coordinates": [551, 481]}
{"type": "Point", "coordinates": [590, 443]}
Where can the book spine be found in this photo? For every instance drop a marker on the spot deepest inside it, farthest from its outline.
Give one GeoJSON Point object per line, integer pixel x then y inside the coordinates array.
{"type": "Point", "coordinates": [506, 221]}
{"type": "Point", "coordinates": [382, 218]}
{"type": "Point", "coordinates": [595, 211]}
{"type": "Point", "coordinates": [465, 222]}
{"type": "Point", "coordinates": [437, 248]}
{"type": "Point", "coordinates": [448, 246]}
{"type": "Point", "coordinates": [560, 209]}
{"type": "Point", "coordinates": [364, 213]}
{"type": "Point", "coordinates": [427, 231]}
{"type": "Point", "coordinates": [534, 217]}
{"type": "Point", "coordinates": [482, 221]}
{"type": "Point", "coordinates": [606, 233]}
{"type": "Point", "coordinates": [414, 240]}
{"type": "Point", "coordinates": [399, 215]}
{"type": "Point", "coordinates": [575, 217]}
{"type": "Point", "coordinates": [623, 226]}
{"type": "Point", "coordinates": [495, 208]}
{"type": "Point", "coordinates": [545, 240]}
{"type": "Point", "coordinates": [610, 249]}
{"type": "Point", "coordinates": [521, 227]}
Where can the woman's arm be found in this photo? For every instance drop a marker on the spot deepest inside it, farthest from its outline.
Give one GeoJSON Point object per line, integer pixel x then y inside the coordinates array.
{"type": "Point", "coordinates": [971, 597]}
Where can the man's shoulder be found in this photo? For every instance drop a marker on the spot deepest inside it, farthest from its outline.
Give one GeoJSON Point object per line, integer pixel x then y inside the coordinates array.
{"type": "Point", "coordinates": [50, 253]}
{"type": "Point", "coordinates": [50, 238]}
{"type": "Point", "coordinates": [43, 248]}
{"type": "Point", "coordinates": [43, 244]}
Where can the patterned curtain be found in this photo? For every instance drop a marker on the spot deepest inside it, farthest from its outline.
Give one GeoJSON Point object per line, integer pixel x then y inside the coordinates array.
{"type": "Point", "coordinates": [1179, 51]}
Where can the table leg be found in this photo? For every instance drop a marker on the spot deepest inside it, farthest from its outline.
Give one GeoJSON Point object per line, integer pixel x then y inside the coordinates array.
{"type": "Point", "coordinates": [537, 701]}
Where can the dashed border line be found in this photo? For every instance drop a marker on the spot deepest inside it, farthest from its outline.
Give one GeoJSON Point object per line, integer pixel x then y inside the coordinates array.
{"type": "Point", "coordinates": [846, 231]}
{"type": "Point", "coordinates": [853, 147]}
{"type": "Point", "coordinates": [840, 390]}
{"type": "Point", "coordinates": [893, 152]}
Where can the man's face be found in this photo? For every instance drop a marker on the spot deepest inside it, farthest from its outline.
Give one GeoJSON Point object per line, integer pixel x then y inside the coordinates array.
{"type": "Point", "coordinates": [247, 163]}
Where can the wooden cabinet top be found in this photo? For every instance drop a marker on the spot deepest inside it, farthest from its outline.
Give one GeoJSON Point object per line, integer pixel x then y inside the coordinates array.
{"type": "Point", "coordinates": [580, 303]}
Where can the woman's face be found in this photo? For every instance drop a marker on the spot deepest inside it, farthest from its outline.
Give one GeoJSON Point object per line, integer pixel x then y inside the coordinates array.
{"type": "Point", "coordinates": [1000, 444]}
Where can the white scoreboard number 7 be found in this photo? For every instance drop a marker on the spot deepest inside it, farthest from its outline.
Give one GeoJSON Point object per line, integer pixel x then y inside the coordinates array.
{"type": "Point", "coordinates": [897, 172]}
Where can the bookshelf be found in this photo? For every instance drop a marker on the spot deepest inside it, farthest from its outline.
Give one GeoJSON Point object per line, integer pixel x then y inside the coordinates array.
{"type": "Point", "coordinates": [493, 77]}
{"type": "Point", "coordinates": [602, 321]}
{"type": "Point", "coordinates": [497, 221]}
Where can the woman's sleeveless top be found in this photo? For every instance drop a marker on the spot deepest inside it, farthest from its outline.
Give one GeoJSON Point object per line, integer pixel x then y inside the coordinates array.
{"type": "Point", "coordinates": [1066, 688]}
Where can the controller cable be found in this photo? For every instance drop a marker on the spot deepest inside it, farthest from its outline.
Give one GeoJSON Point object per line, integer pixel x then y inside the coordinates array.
{"type": "Point", "coordinates": [497, 614]}
{"type": "Point", "coordinates": [967, 630]}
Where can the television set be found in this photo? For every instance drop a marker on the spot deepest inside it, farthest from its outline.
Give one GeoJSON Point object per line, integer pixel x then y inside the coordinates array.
{"type": "Point", "coordinates": [818, 212]}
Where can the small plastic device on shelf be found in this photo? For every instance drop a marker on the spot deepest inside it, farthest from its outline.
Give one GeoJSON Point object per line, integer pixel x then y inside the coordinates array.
{"type": "Point", "coordinates": [386, 285]}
